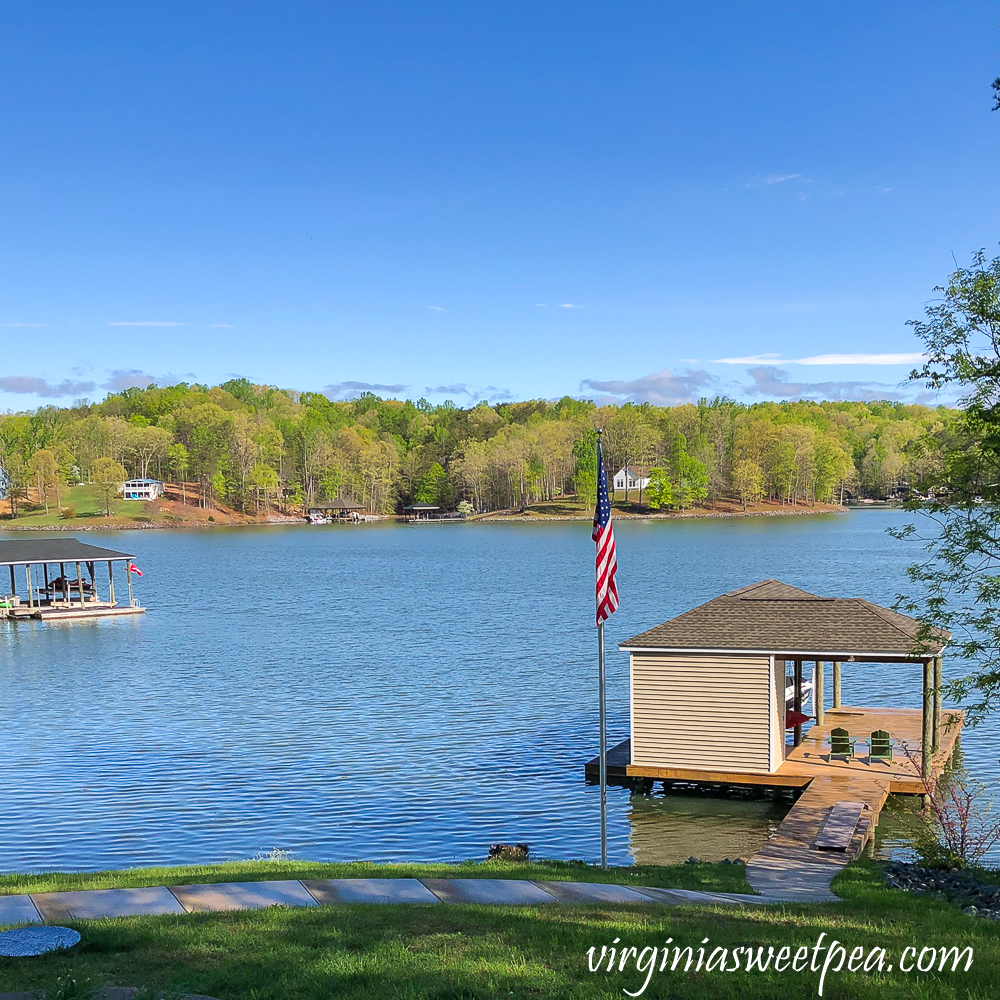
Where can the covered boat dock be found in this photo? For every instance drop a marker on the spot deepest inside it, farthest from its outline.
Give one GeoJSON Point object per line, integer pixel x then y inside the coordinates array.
{"type": "Point", "coordinates": [37, 591]}
{"type": "Point", "coordinates": [708, 707]}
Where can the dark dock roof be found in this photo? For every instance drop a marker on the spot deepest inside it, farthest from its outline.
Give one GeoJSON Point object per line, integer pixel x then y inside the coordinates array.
{"type": "Point", "coordinates": [774, 617]}
{"type": "Point", "coordinates": [335, 505]}
{"type": "Point", "coordinates": [23, 552]}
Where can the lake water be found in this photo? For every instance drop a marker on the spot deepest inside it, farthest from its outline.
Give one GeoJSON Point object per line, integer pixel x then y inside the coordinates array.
{"type": "Point", "coordinates": [389, 692]}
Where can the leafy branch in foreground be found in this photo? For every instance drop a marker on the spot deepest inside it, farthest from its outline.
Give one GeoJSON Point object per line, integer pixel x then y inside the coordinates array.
{"type": "Point", "coordinates": [960, 578]}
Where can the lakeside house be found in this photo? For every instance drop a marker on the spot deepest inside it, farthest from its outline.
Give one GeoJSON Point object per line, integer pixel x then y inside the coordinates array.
{"type": "Point", "coordinates": [142, 489]}
{"type": "Point", "coordinates": [629, 479]}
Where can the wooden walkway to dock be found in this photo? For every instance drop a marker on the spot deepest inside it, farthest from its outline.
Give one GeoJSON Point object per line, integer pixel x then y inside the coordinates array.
{"type": "Point", "coordinates": [790, 864]}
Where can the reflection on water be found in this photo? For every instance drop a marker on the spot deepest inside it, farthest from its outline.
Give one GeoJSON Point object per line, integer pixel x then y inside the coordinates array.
{"type": "Point", "coordinates": [668, 828]}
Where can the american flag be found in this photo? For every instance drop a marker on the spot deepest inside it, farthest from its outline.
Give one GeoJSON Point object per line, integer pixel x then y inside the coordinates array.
{"type": "Point", "coordinates": [604, 536]}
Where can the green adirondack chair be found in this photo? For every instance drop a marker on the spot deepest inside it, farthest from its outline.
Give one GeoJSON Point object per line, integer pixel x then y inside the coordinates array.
{"type": "Point", "coordinates": [841, 744]}
{"type": "Point", "coordinates": [880, 746]}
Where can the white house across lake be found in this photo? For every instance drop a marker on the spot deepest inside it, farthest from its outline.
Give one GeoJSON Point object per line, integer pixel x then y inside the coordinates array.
{"type": "Point", "coordinates": [142, 489]}
{"type": "Point", "coordinates": [629, 479]}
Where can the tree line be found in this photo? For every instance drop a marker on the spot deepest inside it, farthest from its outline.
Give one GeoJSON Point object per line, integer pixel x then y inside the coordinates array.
{"type": "Point", "coordinates": [250, 446]}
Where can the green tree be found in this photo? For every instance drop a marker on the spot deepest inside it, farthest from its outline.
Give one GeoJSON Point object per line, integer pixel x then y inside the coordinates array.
{"type": "Point", "coordinates": [659, 491]}
{"type": "Point", "coordinates": [108, 476]}
{"type": "Point", "coordinates": [434, 487]}
{"type": "Point", "coordinates": [44, 471]}
{"type": "Point", "coordinates": [748, 481]}
{"type": "Point", "coordinates": [178, 461]}
{"type": "Point", "coordinates": [960, 578]}
{"type": "Point", "coordinates": [585, 469]}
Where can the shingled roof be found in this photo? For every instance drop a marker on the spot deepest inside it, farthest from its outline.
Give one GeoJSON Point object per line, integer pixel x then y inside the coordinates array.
{"type": "Point", "coordinates": [22, 551]}
{"type": "Point", "coordinates": [773, 617]}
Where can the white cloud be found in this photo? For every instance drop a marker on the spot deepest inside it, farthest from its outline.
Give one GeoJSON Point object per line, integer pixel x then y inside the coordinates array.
{"type": "Point", "coordinates": [569, 305]}
{"type": "Point", "coordinates": [768, 180]}
{"type": "Point", "coordinates": [689, 361]}
{"type": "Point", "coordinates": [752, 359]}
{"type": "Point", "coordinates": [221, 326]}
{"type": "Point", "coordinates": [439, 309]}
{"type": "Point", "coordinates": [32, 385]}
{"type": "Point", "coordinates": [351, 390]}
{"type": "Point", "coordinates": [540, 305]}
{"type": "Point", "coordinates": [134, 378]}
{"type": "Point", "coordinates": [904, 358]}
{"type": "Point", "coordinates": [661, 388]}
{"type": "Point", "coordinates": [145, 322]}
{"type": "Point", "coordinates": [771, 381]}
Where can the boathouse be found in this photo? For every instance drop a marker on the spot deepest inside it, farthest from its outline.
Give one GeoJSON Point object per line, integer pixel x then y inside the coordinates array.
{"type": "Point", "coordinates": [708, 688]}
{"type": "Point", "coordinates": [335, 510]}
{"type": "Point", "coordinates": [421, 512]}
{"type": "Point", "coordinates": [711, 707]}
{"type": "Point", "coordinates": [57, 578]}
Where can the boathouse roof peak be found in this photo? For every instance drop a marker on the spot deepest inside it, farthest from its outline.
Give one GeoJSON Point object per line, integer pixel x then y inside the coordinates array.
{"type": "Point", "coordinates": [22, 552]}
{"type": "Point", "coordinates": [773, 617]}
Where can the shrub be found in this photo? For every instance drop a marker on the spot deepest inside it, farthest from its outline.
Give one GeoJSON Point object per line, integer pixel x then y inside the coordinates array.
{"type": "Point", "coordinates": [67, 513]}
{"type": "Point", "coordinates": [211, 517]}
{"type": "Point", "coordinates": [962, 827]}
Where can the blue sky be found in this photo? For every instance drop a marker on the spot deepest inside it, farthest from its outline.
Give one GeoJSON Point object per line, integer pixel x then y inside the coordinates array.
{"type": "Point", "coordinates": [467, 199]}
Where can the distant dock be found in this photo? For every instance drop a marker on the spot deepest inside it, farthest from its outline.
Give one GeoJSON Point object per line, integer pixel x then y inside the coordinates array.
{"type": "Point", "coordinates": [55, 579]}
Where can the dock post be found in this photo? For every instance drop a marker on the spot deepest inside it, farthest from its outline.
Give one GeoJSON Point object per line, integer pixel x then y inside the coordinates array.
{"type": "Point", "coordinates": [111, 583]}
{"type": "Point", "coordinates": [45, 573]}
{"type": "Point", "coordinates": [27, 578]}
{"type": "Point", "coordinates": [936, 744]}
{"type": "Point", "coordinates": [928, 720]}
{"type": "Point", "coordinates": [818, 692]}
{"type": "Point", "coordinates": [128, 577]}
{"type": "Point", "coordinates": [13, 582]}
{"type": "Point", "coordinates": [797, 702]}
{"type": "Point", "coordinates": [836, 683]}
{"type": "Point", "coordinates": [79, 583]}
{"type": "Point", "coordinates": [65, 585]}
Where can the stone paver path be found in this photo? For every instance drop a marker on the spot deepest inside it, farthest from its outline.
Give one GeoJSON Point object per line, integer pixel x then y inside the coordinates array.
{"type": "Point", "coordinates": [220, 896]}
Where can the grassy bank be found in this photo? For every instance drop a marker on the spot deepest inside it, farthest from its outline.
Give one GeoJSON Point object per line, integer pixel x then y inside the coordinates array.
{"type": "Point", "coordinates": [709, 877]}
{"type": "Point", "coordinates": [476, 952]}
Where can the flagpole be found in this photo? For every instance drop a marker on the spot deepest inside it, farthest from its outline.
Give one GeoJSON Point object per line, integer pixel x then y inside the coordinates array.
{"type": "Point", "coordinates": [602, 712]}
{"type": "Point", "coordinates": [604, 746]}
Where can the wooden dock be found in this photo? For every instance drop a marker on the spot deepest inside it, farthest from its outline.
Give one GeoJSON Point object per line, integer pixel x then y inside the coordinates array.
{"type": "Point", "coordinates": [71, 612]}
{"type": "Point", "coordinates": [790, 863]}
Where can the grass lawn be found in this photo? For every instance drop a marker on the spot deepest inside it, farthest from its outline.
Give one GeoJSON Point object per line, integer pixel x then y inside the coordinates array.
{"type": "Point", "coordinates": [476, 952]}
{"type": "Point", "coordinates": [710, 877]}
{"type": "Point", "coordinates": [90, 509]}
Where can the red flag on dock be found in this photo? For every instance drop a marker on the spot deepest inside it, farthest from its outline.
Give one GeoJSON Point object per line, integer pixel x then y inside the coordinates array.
{"type": "Point", "coordinates": [132, 568]}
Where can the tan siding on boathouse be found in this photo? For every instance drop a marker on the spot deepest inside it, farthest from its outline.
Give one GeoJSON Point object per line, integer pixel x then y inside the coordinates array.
{"type": "Point", "coordinates": [709, 711]}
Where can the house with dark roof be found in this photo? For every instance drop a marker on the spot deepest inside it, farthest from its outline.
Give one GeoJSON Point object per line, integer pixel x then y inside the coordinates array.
{"type": "Point", "coordinates": [708, 688]}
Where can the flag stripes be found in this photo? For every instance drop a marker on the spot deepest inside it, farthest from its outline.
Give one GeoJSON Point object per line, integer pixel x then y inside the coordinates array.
{"type": "Point", "coordinates": [604, 536]}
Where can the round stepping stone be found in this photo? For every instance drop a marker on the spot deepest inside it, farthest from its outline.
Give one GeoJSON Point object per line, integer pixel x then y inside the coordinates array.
{"type": "Point", "coordinates": [23, 942]}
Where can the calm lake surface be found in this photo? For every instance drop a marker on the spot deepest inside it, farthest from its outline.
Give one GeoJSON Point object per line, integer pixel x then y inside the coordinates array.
{"type": "Point", "coordinates": [391, 692]}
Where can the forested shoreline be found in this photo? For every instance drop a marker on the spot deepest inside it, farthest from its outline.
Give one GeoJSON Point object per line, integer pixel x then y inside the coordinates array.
{"type": "Point", "coordinates": [252, 447]}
